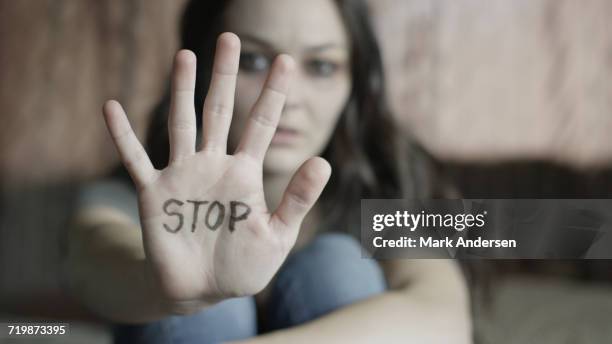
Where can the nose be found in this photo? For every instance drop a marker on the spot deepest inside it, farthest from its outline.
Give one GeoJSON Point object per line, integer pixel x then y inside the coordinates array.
{"type": "Point", "coordinates": [295, 95]}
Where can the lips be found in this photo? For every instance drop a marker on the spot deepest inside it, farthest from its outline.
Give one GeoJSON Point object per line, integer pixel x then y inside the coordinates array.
{"type": "Point", "coordinates": [284, 136]}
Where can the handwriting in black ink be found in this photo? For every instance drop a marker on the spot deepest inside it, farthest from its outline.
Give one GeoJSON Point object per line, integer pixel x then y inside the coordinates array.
{"type": "Point", "coordinates": [196, 207]}
{"type": "Point", "coordinates": [173, 213]}
{"type": "Point", "coordinates": [214, 217]}
{"type": "Point", "coordinates": [233, 218]}
{"type": "Point", "coordinates": [220, 215]}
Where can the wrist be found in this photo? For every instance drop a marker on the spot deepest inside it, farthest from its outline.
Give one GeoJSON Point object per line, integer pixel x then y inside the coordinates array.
{"type": "Point", "coordinates": [166, 306]}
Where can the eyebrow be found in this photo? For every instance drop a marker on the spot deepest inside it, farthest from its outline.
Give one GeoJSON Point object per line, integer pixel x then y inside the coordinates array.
{"type": "Point", "coordinates": [267, 45]}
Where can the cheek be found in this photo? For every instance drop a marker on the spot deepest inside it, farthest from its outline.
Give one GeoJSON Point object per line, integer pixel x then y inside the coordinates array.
{"type": "Point", "coordinates": [247, 91]}
{"type": "Point", "coordinates": [327, 104]}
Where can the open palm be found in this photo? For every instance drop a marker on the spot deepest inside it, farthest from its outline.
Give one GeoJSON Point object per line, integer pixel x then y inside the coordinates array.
{"type": "Point", "coordinates": [207, 231]}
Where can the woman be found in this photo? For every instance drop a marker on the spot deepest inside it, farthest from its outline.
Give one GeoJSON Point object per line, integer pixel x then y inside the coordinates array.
{"type": "Point", "coordinates": [227, 242]}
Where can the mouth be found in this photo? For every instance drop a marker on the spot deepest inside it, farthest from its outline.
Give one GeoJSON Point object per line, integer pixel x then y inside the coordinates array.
{"type": "Point", "coordinates": [284, 136]}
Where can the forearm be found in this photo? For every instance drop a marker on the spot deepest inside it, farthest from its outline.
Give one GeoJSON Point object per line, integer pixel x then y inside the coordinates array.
{"type": "Point", "coordinates": [106, 270]}
{"type": "Point", "coordinates": [429, 304]}
{"type": "Point", "coordinates": [110, 280]}
{"type": "Point", "coordinates": [393, 317]}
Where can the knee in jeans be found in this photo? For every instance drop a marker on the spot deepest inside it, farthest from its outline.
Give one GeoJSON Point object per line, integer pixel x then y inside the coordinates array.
{"type": "Point", "coordinates": [339, 244]}
{"type": "Point", "coordinates": [231, 319]}
{"type": "Point", "coordinates": [335, 261]}
{"type": "Point", "coordinates": [327, 274]}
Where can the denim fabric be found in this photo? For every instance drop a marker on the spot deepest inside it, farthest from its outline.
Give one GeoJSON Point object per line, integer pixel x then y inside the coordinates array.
{"type": "Point", "coordinates": [325, 275]}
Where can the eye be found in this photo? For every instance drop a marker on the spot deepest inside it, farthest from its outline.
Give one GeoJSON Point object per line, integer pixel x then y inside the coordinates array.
{"type": "Point", "coordinates": [322, 68]}
{"type": "Point", "coordinates": [253, 62]}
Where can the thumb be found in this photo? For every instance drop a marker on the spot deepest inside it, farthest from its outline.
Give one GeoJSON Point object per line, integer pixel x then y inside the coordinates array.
{"type": "Point", "coordinates": [301, 194]}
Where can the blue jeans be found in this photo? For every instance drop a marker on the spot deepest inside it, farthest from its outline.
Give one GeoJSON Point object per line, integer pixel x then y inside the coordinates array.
{"type": "Point", "coordinates": [325, 275]}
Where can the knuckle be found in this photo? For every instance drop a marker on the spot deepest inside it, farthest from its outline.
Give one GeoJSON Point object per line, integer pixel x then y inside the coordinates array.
{"type": "Point", "coordinates": [121, 136]}
{"type": "Point", "coordinates": [218, 110]}
{"type": "Point", "coordinates": [261, 119]}
{"type": "Point", "coordinates": [135, 159]}
{"type": "Point", "coordinates": [299, 199]}
{"type": "Point", "coordinates": [311, 176]}
{"type": "Point", "coordinates": [272, 92]}
{"type": "Point", "coordinates": [183, 126]}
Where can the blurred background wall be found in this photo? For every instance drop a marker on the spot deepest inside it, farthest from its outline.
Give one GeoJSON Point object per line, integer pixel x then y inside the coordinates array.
{"type": "Point", "coordinates": [513, 99]}
{"type": "Point", "coordinates": [59, 61]}
{"type": "Point", "coordinates": [493, 80]}
{"type": "Point", "coordinates": [473, 80]}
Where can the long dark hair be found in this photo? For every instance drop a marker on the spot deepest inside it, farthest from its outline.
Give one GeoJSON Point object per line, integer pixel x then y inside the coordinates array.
{"type": "Point", "coordinates": [368, 155]}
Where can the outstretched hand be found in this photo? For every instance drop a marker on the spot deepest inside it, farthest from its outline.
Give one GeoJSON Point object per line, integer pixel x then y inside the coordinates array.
{"type": "Point", "coordinates": [207, 231]}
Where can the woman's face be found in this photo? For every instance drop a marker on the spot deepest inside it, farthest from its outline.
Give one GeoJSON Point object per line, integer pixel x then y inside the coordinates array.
{"type": "Point", "coordinates": [313, 33]}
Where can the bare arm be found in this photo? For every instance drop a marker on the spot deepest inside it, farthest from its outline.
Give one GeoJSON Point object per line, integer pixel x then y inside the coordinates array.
{"type": "Point", "coordinates": [106, 270]}
{"type": "Point", "coordinates": [427, 303]}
